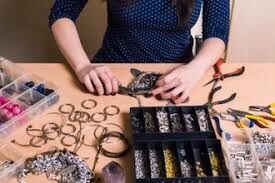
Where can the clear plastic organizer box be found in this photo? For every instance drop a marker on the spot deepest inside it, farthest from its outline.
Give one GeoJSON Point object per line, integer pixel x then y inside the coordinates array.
{"type": "Point", "coordinates": [251, 162]}
{"type": "Point", "coordinates": [11, 154]}
{"type": "Point", "coordinates": [26, 95]}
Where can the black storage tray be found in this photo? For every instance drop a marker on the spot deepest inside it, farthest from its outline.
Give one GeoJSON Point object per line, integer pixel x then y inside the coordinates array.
{"type": "Point", "coordinates": [180, 130]}
{"type": "Point", "coordinates": [189, 147]}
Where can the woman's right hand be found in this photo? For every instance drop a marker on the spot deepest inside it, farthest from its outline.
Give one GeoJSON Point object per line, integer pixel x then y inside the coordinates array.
{"type": "Point", "coordinates": [98, 79]}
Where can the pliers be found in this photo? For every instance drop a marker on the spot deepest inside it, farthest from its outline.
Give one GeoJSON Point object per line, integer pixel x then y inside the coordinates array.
{"type": "Point", "coordinates": [240, 121]}
{"type": "Point", "coordinates": [210, 102]}
{"type": "Point", "coordinates": [219, 76]}
{"type": "Point", "coordinates": [268, 109]}
{"type": "Point", "coordinates": [215, 114]}
{"type": "Point", "coordinates": [261, 121]}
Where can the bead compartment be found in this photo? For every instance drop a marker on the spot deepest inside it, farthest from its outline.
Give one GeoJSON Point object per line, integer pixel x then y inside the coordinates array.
{"type": "Point", "coordinates": [158, 129]}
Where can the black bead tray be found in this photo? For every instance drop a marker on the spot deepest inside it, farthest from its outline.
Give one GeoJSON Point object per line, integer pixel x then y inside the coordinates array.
{"type": "Point", "coordinates": [180, 122]}
{"type": "Point", "coordinates": [190, 152]}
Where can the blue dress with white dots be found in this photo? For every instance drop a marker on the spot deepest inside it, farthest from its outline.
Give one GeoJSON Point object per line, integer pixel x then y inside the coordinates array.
{"type": "Point", "coordinates": [146, 31]}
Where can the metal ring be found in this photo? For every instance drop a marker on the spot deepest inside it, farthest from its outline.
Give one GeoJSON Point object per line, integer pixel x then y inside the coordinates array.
{"type": "Point", "coordinates": [30, 129]}
{"type": "Point", "coordinates": [105, 110]}
{"type": "Point", "coordinates": [60, 109]}
{"type": "Point", "coordinates": [51, 130]}
{"type": "Point", "coordinates": [83, 104]}
{"type": "Point", "coordinates": [35, 144]}
{"type": "Point", "coordinates": [110, 154]}
{"type": "Point", "coordinates": [80, 116]}
{"type": "Point", "coordinates": [68, 135]}
{"type": "Point", "coordinates": [99, 114]}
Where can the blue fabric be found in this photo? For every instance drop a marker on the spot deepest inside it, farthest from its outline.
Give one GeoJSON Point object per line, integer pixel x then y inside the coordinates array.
{"type": "Point", "coordinates": [146, 31]}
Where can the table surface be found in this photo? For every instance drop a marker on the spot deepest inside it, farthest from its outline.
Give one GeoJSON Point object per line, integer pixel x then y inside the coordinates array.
{"type": "Point", "coordinates": [256, 86]}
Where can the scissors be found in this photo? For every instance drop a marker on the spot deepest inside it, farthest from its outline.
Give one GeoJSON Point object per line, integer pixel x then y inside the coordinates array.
{"type": "Point", "coordinates": [261, 121]}
{"type": "Point", "coordinates": [270, 109]}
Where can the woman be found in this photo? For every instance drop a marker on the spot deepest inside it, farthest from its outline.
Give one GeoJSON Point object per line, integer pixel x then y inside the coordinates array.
{"type": "Point", "coordinates": [148, 31]}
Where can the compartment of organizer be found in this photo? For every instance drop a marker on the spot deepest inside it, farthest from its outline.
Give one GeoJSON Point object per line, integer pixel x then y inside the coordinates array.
{"type": "Point", "coordinates": [21, 110]}
{"type": "Point", "coordinates": [266, 156]}
{"type": "Point", "coordinates": [171, 123]}
{"type": "Point", "coordinates": [49, 90]}
{"type": "Point", "coordinates": [8, 72]}
{"type": "Point", "coordinates": [10, 161]}
{"type": "Point", "coordinates": [180, 161]}
{"type": "Point", "coordinates": [243, 163]}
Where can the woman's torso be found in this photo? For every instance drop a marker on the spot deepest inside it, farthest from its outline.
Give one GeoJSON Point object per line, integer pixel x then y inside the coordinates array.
{"type": "Point", "coordinates": [146, 31]}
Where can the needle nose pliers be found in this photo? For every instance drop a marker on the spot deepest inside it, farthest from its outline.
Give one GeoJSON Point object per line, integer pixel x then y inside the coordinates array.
{"type": "Point", "coordinates": [270, 109]}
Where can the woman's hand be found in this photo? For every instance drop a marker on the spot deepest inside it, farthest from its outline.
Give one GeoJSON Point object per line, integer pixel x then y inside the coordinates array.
{"type": "Point", "coordinates": [98, 79]}
{"type": "Point", "coordinates": [178, 84]}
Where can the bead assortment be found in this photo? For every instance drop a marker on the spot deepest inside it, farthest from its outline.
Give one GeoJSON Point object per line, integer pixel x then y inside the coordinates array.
{"type": "Point", "coordinates": [171, 146]}
{"type": "Point", "coordinates": [150, 125]}
{"type": "Point", "coordinates": [171, 119]}
{"type": "Point", "coordinates": [186, 168]}
{"type": "Point", "coordinates": [170, 162]}
{"type": "Point", "coordinates": [176, 122]}
{"type": "Point", "coordinates": [243, 162]}
{"type": "Point", "coordinates": [155, 158]}
{"type": "Point", "coordinates": [259, 138]}
{"type": "Point", "coordinates": [59, 166]}
{"type": "Point", "coordinates": [202, 119]}
{"type": "Point", "coordinates": [22, 96]}
{"type": "Point", "coordinates": [163, 121]}
{"type": "Point", "coordinates": [141, 164]}
{"type": "Point", "coordinates": [160, 160]}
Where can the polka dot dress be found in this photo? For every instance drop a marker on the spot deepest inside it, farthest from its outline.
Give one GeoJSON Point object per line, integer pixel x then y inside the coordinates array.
{"type": "Point", "coordinates": [146, 30]}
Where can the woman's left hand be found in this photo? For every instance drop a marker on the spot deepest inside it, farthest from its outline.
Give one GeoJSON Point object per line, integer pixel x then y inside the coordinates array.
{"type": "Point", "coordinates": [178, 84]}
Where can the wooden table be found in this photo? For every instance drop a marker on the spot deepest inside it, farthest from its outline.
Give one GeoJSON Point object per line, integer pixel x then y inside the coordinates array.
{"type": "Point", "coordinates": [256, 86]}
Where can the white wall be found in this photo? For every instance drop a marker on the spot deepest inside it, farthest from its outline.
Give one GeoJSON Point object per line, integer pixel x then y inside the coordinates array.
{"type": "Point", "coordinates": [252, 35]}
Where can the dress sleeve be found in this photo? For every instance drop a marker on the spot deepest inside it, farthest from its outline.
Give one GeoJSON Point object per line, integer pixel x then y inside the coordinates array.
{"type": "Point", "coordinates": [216, 19]}
{"type": "Point", "coordinates": [66, 9]}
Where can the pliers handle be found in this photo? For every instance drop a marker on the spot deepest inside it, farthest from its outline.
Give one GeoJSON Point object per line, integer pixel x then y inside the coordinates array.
{"type": "Point", "coordinates": [260, 121]}
{"type": "Point", "coordinates": [240, 122]}
{"type": "Point", "coordinates": [218, 74]}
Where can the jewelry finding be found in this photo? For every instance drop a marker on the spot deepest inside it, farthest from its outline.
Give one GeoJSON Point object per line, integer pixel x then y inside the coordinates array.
{"type": "Point", "coordinates": [85, 104]}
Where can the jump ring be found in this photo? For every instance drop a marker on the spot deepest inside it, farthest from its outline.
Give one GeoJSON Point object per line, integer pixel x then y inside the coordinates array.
{"type": "Point", "coordinates": [117, 110]}
{"type": "Point", "coordinates": [60, 109]}
{"type": "Point", "coordinates": [93, 118]}
{"type": "Point", "coordinates": [84, 104]}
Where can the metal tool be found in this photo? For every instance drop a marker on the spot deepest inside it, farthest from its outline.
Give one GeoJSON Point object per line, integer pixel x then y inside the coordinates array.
{"type": "Point", "coordinates": [240, 121]}
{"type": "Point", "coordinates": [270, 109]}
{"type": "Point", "coordinates": [219, 76]}
{"type": "Point", "coordinates": [215, 114]}
{"type": "Point", "coordinates": [210, 102]}
{"type": "Point", "coordinates": [259, 120]}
